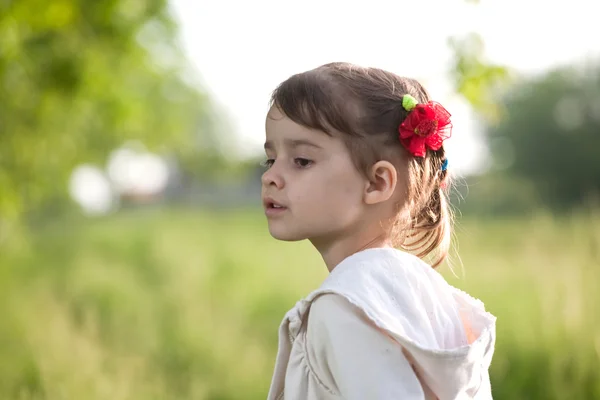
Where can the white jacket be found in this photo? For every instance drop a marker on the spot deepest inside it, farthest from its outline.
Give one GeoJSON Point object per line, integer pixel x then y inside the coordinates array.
{"type": "Point", "coordinates": [384, 325]}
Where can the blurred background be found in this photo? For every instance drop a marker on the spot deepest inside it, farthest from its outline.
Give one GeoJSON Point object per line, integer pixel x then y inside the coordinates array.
{"type": "Point", "coordinates": [135, 262]}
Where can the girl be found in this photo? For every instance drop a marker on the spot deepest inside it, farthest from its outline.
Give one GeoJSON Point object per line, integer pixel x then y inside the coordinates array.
{"type": "Point", "coordinates": [356, 164]}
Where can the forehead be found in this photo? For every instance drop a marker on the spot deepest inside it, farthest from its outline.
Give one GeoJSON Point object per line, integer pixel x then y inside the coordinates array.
{"type": "Point", "coordinates": [279, 127]}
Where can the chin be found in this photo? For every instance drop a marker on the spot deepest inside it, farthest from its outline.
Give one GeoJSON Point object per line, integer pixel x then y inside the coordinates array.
{"type": "Point", "coordinates": [285, 235]}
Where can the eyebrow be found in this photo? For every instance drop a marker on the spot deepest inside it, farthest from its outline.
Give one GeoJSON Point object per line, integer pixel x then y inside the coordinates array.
{"type": "Point", "coordinates": [293, 143]}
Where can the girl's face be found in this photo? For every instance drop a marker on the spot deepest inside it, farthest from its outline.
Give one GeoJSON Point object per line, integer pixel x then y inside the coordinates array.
{"type": "Point", "coordinates": [311, 189]}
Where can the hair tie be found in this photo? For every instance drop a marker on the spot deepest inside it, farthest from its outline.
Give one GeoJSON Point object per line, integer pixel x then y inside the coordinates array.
{"type": "Point", "coordinates": [426, 126]}
{"type": "Point", "coordinates": [445, 165]}
{"type": "Point", "coordinates": [409, 102]}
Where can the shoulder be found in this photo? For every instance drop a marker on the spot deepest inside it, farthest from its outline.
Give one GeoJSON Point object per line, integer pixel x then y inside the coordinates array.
{"type": "Point", "coordinates": [348, 353]}
{"type": "Point", "coordinates": [333, 315]}
{"type": "Point", "coordinates": [330, 308]}
{"type": "Point", "coordinates": [328, 302]}
{"type": "Point", "coordinates": [336, 327]}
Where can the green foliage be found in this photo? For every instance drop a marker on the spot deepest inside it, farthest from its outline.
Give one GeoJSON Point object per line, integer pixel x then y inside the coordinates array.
{"type": "Point", "coordinates": [551, 131]}
{"type": "Point", "coordinates": [79, 78]}
{"type": "Point", "coordinates": [475, 78]}
{"type": "Point", "coordinates": [156, 305]}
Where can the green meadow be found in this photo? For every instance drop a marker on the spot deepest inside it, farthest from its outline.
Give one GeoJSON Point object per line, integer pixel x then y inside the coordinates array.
{"type": "Point", "coordinates": [185, 304]}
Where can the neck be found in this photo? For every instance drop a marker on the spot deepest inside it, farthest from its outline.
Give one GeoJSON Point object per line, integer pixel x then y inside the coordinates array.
{"type": "Point", "coordinates": [335, 251]}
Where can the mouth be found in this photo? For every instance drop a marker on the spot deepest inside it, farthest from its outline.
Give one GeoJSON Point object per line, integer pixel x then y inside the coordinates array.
{"type": "Point", "coordinates": [272, 207]}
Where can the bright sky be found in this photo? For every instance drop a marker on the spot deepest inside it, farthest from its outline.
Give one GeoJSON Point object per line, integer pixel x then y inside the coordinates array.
{"type": "Point", "coordinates": [243, 49]}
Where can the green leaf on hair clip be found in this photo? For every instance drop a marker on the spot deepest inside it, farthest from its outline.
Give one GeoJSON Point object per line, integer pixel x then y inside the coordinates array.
{"type": "Point", "coordinates": [409, 102]}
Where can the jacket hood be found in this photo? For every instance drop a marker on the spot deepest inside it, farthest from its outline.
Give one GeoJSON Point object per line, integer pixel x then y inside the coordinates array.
{"type": "Point", "coordinates": [447, 335]}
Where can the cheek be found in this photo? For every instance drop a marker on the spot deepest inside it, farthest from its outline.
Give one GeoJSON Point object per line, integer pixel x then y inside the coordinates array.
{"type": "Point", "coordinates": [332, 192]}
{"type": "Point", "coordinates": [345, 184]}
{"type": "Point", "coordinates": [346, 191]}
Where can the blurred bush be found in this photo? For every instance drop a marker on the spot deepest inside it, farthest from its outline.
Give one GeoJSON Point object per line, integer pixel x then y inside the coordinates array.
{"type": "Point", "coordinates": [145, 305]}
{"type": "Point", "coordinates": [79, 78]}
{"type": "Point", "coordinates": [549, 137]}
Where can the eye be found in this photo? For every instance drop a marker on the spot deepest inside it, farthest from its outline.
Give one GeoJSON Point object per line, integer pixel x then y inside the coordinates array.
{"type": "Point", "coordinates": [267, 163]}
{"type": "Point", "coordinates": [302, 162]}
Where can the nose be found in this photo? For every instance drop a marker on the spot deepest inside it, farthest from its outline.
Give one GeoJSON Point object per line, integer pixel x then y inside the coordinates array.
{"type": "Point", "coordinates": [273, 177]}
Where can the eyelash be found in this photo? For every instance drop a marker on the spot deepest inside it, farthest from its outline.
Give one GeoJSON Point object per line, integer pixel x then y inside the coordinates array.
{"type": "Point", "coordinates": [298, 161]}
{"type": "Point", "coordinates": [267, 163]}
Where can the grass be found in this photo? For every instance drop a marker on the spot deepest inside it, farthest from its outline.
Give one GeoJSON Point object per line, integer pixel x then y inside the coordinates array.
{"type": "Point", "coordinates": [176, 304]}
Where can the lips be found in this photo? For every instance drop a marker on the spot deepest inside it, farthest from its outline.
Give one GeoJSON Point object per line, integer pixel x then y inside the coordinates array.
{"type": "Point", "coordinates": [273, 207]}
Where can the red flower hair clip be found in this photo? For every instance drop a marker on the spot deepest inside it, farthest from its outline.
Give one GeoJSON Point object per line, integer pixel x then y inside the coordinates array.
{"type": "Point", "coordinates": [426, 126]}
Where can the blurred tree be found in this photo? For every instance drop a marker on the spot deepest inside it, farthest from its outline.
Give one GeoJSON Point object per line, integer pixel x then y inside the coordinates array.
{"type": "Point", "coordinates": [551, 134]}
{"type": "Point", "coordinates": [474, 77]}
{"type": "Point", "coordinates": [77, 79]}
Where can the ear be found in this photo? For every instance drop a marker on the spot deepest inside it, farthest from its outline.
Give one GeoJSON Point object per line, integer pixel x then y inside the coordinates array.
{"type": "Point", "coordinates": [383, 179]}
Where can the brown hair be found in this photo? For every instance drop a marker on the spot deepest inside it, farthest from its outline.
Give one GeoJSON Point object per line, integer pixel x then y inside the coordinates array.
{"type": "Point", "coordinates": [365, 106]}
